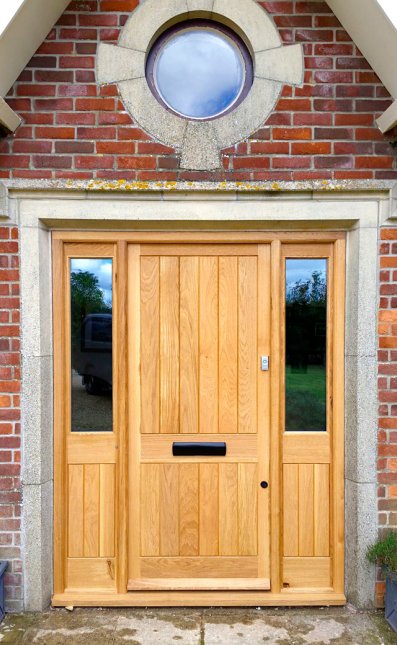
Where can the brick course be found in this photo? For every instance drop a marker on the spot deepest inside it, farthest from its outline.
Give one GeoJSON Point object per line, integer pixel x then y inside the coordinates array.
{"type": "Point", "coordinates": [387, 388]}
{"type": "Point", "coordinates": [10, 440]}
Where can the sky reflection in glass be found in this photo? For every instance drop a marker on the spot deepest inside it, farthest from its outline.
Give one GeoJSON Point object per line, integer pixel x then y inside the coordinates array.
{"type": "Point", "coordinates": [199, 73]}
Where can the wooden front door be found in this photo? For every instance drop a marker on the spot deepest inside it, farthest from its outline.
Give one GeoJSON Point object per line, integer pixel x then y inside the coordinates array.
{"type": "Point", "coordinates": [198, 325]}
{"type": "Point", "coordinates": [165, 348]}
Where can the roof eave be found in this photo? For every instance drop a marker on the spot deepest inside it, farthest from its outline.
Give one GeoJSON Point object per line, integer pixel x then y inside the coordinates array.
{"type": "Point", "coordinates": [388, 120]}
{"type": "Point", "coordinates": [23, 35]}
{"type": "Point", "coordinates": [9, 120]}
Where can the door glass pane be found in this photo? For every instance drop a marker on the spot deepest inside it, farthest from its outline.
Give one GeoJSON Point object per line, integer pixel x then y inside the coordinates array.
{"type": "Point", "coordinates": [91, 344]}
{"type": "Point", "coordinates": [306, 345]}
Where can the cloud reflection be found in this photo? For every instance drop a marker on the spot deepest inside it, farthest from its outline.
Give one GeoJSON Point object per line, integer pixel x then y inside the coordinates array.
{"type": "Point", "coordinates": [301, 270]}
{"type": "Point", "coordinates": [199, 73]}
{"type": "Point", "coordinates": [101, 268]}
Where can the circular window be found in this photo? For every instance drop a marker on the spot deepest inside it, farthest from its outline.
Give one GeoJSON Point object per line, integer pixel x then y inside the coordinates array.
{"type": "Point", "coordinates": [199, 70]}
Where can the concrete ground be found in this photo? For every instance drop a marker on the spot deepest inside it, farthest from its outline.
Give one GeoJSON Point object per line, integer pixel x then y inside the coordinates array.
{"type": "Point", "coordinates": [315, 626]}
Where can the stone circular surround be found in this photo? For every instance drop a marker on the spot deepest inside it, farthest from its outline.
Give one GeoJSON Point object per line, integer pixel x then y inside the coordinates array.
{"type": "Point", "coordinates": [200, 142]}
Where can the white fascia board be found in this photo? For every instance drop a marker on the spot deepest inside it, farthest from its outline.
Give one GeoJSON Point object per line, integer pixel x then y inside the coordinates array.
{"type": "Point", "coordinates": [388, 120]}
{"type": "Point", "coordinates": [373, 33]}
{"type": "Point", "coordinates": [8, 118]}
{"type": "Point", "coordinates": [23, 36]}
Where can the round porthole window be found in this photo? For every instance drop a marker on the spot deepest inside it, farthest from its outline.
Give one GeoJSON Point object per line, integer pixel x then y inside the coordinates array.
{"type": "Point", "coordinates": [200, 70]}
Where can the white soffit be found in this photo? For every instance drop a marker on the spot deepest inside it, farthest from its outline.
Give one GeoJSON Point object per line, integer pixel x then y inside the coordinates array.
{"type": "Point", "coordinates": [374, 34]}
{"type": "Point", "coordinates": [23, 27]}
{"type": "Point", "coordinates": [372, 28]}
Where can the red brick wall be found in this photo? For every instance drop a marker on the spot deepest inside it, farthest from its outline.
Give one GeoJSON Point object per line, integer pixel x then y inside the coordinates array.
{"type": "Point", "coordinates": [73, 129]}
{"type": "Point", "coordinates": [10, 440]}
{"type": "Point", "coordinates": [387, 384]}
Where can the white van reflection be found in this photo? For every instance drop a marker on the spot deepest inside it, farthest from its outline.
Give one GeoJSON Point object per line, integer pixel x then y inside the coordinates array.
{"type": "Point", "coordinates": [93, 360]}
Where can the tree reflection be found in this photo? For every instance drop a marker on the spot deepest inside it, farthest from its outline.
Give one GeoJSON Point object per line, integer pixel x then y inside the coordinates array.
{"type": "Point", "coordinates": [86, 298]}
{"type": "Point", "coordinates": [91, 352]}
{"type": "Point", "coordinates": [306, 317]}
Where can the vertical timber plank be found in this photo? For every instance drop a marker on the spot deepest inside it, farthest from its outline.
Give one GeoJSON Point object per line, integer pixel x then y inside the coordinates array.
{"type": "Point", "coordinates": [275, 417]}
{"type": "Point", "coordinates": [247, 509]}
{"type": "Point", "coordinates": [134, 409]}
{"type": "Point", "coordinates": [76, 511]}
{"type": "Point", "coordinates": [228, 364]}
{"type": "Point", "coordinates": [306, 510]}
{"type": "Point", "coordinates": [169, 345]}
{"type": "Point", "coordinates": [150, 510]}
{"type": "Point", "coordinates": [321, 510]}
{"type": "Point", "coordinates": [264, 428]}
{"type": "Point", "coordinates": [208, 406]}
{"type": "Point", "coordinates": [150, 344]}
{"type": "Point", "coordinates": [91, 511]}
{"type": "Point", "coordinates": [169, 509]}
{"type": "Point", "coordinates": [189, 339]}
{"type": "Point", "coordinates": [228, 509]}
{"type": "Point", "coordinates": [121, 363]}
{"type": "Point", "coordinates": [338, 388]}
{"type": "Point", "coordinates": [106, 510]}
{"type": "Point", "coordinates": [290, 510]}
{"type": "Point", "coordinates": [188, 509]}
{"type": "Point", "coordinates": [247, 345]}
{"type": "Point", "coordinates": [209, 509]}
{"type": "Point", "coordinates": [60, 468]}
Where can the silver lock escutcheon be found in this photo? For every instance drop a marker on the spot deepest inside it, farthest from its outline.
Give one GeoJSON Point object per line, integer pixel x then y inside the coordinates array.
{"type": "Point", "coordinates": [264, 363]}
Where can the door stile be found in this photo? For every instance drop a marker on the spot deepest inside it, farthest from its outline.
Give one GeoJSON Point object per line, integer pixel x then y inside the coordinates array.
{"type": "Point", "coordinates": [60, 468]}
{"type": "Point", "coordinates": [275, 408]}
{"type": "Point", "coordinates": [264, 331]}
{"type": "Point", "coordinates": [134, 409]}
{"type": "Point", "coordinates": [338, 388]}
{"type": "Point", "coordinates": [121, 280]}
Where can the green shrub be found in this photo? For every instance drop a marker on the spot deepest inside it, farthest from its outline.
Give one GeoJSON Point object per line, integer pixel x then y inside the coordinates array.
{"type": "Point", "coordinates": [384, 552]}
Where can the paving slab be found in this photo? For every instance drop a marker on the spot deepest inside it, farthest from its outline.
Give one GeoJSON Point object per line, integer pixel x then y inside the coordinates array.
{"type": "Point", "coordinates": [233, 626]}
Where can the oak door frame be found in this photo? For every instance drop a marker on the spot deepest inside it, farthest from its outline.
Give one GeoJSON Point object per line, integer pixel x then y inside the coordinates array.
{"type": "Point", "coordinates": [60, 289]}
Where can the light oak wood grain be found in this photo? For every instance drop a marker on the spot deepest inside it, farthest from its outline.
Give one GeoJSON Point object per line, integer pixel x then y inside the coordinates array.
{"type": "Point", "coordinates": [90, 573]}
{"type": "Point", "coordinates": [228, 338]}
{"type": "Point", "coordinates": [150, 510]}
{"type": "Point", "coordinates": [247, 345]}
{"type": "Point", "coordinates": [189, 509]}
{"type": "Point", "coordinates": [291, 509]}
{"type": "Point", "coordinates": [208, 345]}
{"type": "Point", "coordinates": [198, 584]}
{"type": "Point", "coordinates": [200, 567]}
{"type": "Point", "coordinates": [228, 509]}
{"type": "Point", "coordinates": [189, 344]}
{"type": "Point", "coordinates": [306, 573]}
{"type": "Point", "coordinates": [169, 345]}
{"type": "Point", "coordinates": [76, 511]}
{"type": "Point", "coordinates": [306, 509]}
{"type": "Point", "coordinates": [150, 344]}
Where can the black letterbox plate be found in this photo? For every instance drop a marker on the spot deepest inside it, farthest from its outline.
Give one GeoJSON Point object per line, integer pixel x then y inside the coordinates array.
{"type": "Point", "coordinates": [202, 449]}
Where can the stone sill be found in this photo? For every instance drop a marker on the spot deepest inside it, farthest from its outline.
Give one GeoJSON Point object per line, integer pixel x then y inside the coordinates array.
{"type": "Point", "coordinates": [99, 185]}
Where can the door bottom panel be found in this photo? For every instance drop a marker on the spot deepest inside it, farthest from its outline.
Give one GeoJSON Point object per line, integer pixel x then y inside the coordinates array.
{"type": "Point", "coordinates": [199, 567]}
